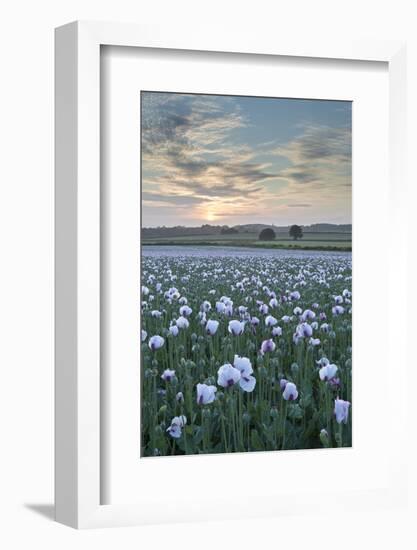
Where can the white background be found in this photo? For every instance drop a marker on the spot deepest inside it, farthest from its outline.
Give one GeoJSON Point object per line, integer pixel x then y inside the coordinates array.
{"type": "Point", "coordinates": [26, 299]}
{"type": "Point", "coordinates": [147, 481]}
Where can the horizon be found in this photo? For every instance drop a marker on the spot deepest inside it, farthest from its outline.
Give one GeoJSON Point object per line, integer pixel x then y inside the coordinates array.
{"type": "Point", "coordinates": [241, 224]}
{"type": "Point", "coordinates": [232, 160]}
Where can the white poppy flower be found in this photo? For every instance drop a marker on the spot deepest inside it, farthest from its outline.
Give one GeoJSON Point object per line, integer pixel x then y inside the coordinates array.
{"type": "Point", "coordinates": [211, 326]}
{"type": "Point", "coordinates": [273, 302]}
{"type": "Point", "coordinates": [206, 306]}
{"type": "Point", "coordinates": [227, 375]}
{"type": "Point", "coordinates": [177, 423]}
{"type": "Point", "coordinates": [205, 394]}
{"type": "Point", "coordinates": [156, 314]}
{"type": "Point", "coordinates": [276, 331]}
{"type": "Point", "coordinates": [185, 311]}
{"type": "Point", "coordinates": [267, 345]}
{"type": "Point", "coordinates": [314, 341]}
{"type": "Point", "coordinates": [327, 372]}
{"type": "Point", "coordinates": [308, 315]}
{"type": "Point", "coordinates": [270, 321]}
{"type": "Point", "coordinates": [285, 319]}
{"type": "Point", "coordinates": [263, 308]}
{"type": "Point", "coordinates": [341, 410]}
{"type": "Point", "coordinates": [297, 311]}
{"type": "Point", "coordinates": [144, 335]}
{"type": "Point", "coordinates": [304, 330]}
{"type": "Point", "coordinates": [182, 323]}
{"type": "Point", "coordinates": [174, 330]}
{"type": "Point", "coordinates": [156, 342]}
{"type": "Point", "coordinates": [236, 327]}
{"type": "Point", "coordinates": [168, 375]}
{"type": "Point", "coordinates": [290, 392]}
{"type": "Point", "coordinates": [220, 307]}
{"type": "Point", "coordinates": [247, 382]}
{"type": "Point", "coordinates": [145, 290]}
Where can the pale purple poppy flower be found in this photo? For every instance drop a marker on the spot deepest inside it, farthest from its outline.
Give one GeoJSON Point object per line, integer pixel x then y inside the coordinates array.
{"type": "Point", "coordinates": [341, 410]}
{"type": "Point", "coordinates": [276, 331]}
{"type": "Point", "coordinates": [227, 375]}
{"type": "Point", "coordinates": [255, 321]}
{"type": "Point", "coordinates": [314, 341]}
{"type": "Point", "coordinates": [327, 372]}
{"type": "Point", "coordinates": [205, 394]}
{"type": "Point", "coordinates": [323, 316]}
{"type": "Point", "coordinates": [290, 392]}
{"type": "Point", "coordinates": [338, 299]}
{"type": "Point", "coordinates": [177, 423]}
{"type": "Point", "coordinates": [338, 310]}
{"type": "Point", "coordinates": [308, 315]}
{"type": "Point", "coordinates": [334, 383]}
{"type": "Point", "coordinates": [205, 306]}
{"type": "Point", "coordinates": [156, 342]}
{"type": "Point", "coordinates": [174, 330]}
{"type": "Point", "coordinates": [156, 314]}
{"type": "Point", "coordinates": [211, 327]}
{"type": "Point", "coordinates": [267, 346]}
{"type": "Point", "coordinates": [297, 311]}
{"type": "Point", "coordinates": [182, 322]}
{"type": "Point", "coordinates": [185, 311]}
{"type": "Point", "coordinates": [168, 375]}
{"type": "Point", "coordinates": [144, 335]}
{"type": "Point", "coordinates": [295, 295]}
{"type": "Point", "coordinates": [324, 327]}
{"type": "Point", "coordinates": [263, 309]}
{"type": "Point", "coordinates": [304, 330]}
{"type": "Point", "coordinates": [282, 383]}
{"type": "Point", "coordinates": [247, 382]}
{"type": "Point", "coordinates": [220, 307]}
{"type": "Point", "coordinates": [273, 302]}
{"type": "Point", "coordinates": [285, 319]}
{"type": "Point", "coordinates": [236, 327]}
{"type": "Point", "coordinates": [270, 321]}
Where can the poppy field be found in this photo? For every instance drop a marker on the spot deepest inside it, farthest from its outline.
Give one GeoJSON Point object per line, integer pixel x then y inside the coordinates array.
{"type": "Point", "coordinates": [245, 352]}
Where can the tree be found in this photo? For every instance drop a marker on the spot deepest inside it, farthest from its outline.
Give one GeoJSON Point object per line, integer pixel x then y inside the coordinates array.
{"type": "Point", "coordinates": [267, 234]}
{"type": "Point", "coordinates": [296, 232]}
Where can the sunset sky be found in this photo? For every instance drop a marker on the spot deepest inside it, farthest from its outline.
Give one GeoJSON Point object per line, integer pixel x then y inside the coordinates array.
{"type": "Point", "coordinates": [228, 160]}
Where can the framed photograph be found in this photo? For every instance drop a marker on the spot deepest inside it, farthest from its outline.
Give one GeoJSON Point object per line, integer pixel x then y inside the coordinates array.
{"type": "Point", "coordinates": [220, 316]}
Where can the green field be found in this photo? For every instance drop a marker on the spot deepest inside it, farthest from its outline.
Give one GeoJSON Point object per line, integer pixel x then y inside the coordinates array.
{"type": "Point", "coordinates": [318, 241]}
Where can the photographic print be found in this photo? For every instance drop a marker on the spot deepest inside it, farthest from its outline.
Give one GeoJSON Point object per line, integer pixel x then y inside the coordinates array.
{"type": "Point", "coordinates": [246, 274]}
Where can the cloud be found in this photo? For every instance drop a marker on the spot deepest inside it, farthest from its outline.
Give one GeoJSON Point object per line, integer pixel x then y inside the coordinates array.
{"type": "Point", "coordinates": [320, 156]}
{"type": "Point", "coordinates": [190, 154]}
{"type": "Point", "coordinates": [201, 155]}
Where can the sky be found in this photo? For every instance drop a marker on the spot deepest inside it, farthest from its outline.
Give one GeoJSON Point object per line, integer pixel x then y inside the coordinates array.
{"type": "Point", "coordinates": [229, 160]}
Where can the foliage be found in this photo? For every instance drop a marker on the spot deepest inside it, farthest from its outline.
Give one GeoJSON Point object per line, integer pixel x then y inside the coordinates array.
{"type": "Point", "coordinates": [296, 232]}
{"type": "Point", "coordinates": [267, 234]}
{"type": "Point", "coordinates": [300, 293]}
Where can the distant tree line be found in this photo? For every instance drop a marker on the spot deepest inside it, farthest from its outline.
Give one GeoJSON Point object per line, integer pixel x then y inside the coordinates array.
{"type": "Point", "coordinates": [207, 229]}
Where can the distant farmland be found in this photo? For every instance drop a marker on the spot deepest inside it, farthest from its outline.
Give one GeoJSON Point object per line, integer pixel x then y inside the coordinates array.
{"type": "Point", "coordinates": [313, 240]}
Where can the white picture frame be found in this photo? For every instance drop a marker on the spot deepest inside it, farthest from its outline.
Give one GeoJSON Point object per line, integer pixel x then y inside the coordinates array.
{"type": "Point", "coordinates": [78, 426]}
